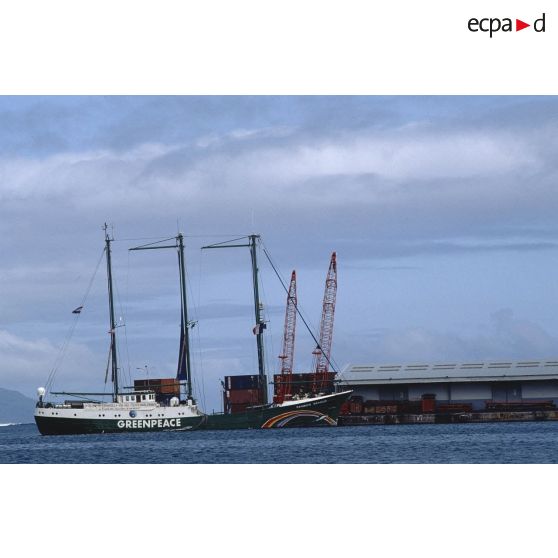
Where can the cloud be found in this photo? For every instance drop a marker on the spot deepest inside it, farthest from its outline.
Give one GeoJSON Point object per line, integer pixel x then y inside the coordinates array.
{"type": "Point", "coordinates": [427, 178]}
{"type": "Point", "coordinates": [395, 185]}
{"type": "Point", "coordinates": [503, 337]}
{"type": "Point", "coordinates": [26, 363]}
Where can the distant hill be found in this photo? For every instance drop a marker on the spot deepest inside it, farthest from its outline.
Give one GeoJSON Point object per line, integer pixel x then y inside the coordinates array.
{"type": "Point", "coordinates": [15, 407]}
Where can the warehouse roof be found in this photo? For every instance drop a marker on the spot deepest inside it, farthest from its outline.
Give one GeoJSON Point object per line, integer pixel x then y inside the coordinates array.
{"type": "Point", "coordinates": [358, 374]}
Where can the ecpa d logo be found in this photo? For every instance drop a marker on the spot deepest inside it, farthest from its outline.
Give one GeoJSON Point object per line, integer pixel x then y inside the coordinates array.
{"type": "Point", "coordinates": [493, 25]}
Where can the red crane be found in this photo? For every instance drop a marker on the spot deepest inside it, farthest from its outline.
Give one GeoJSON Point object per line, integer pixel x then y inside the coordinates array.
{"type": "Point", "coordinates": [287, 357]}
{"type": "Point", "coordinates": [323, 350]}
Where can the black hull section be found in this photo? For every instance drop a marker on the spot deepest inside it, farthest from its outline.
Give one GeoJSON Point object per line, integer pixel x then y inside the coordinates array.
{"type": "Point", "coordinates": [319, 412]}
{"type": "Point", "coordinates": [49, 426]}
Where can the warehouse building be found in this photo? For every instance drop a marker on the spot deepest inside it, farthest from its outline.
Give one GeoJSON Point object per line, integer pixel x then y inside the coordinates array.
{"type": "Point", "coordinates": [474, 384]}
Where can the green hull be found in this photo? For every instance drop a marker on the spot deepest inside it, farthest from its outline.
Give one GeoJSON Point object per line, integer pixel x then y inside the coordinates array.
{"type": "Point", "coordinates": [322, 411]}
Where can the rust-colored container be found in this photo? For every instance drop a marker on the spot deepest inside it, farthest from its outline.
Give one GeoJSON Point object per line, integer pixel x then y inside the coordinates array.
{"type": "Point", "coordinates": [345, 409]}
{"type": "Point", "coordinates": [428, 401]}
{"type": "Point", "coordinates": [172, 386]}
{"type": "Point", "coordinates": [304, 383]}
{"type": "Point", "coordinates": [369, 407]}
{"type": "Point", "coordinates": [240, 396]}
{"type": "Point", "coordinates": [455, 408]}
{"type": "Point", "coordinates": [164, 388]}
{"type": "Point", "coordinates": [153, 383]}
{"type": "Point", "coordinates": [355, 405]}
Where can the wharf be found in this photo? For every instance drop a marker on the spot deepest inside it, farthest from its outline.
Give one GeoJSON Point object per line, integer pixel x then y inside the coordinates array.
{"type": "Point", "coordinates": [448, 418]}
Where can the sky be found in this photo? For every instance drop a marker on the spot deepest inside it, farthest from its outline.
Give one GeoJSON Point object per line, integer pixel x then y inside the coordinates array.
{"type": "Point", "coordinates": [442, 211]}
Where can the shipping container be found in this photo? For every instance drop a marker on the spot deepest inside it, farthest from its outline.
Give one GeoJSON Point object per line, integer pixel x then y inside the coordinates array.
{"type": "Point", "coordinates": [444, 408]}
{"type": "Point", "coordinates": [243, 382]}
{"type": "Point", "coordinates": [408, 407]}
{"type": "Point", "coordinates": [355, 405]}
{"type": "Point", "coordinates": [520, 405]}
{"type": "Point", "coordinates": [302, 383]}
{"type": "Point", "coordinates": [428, 402]}
{"type": "Point", "coordinates": [161, 386]}
{"type": "Point", "coordinates": [345, 409]}
{"type": "Point", "coordinates": [170, 388]}
{"type": "Point", "coordinates": [154, 383]}
{"type": "Point", "coordinates": [239, 396]}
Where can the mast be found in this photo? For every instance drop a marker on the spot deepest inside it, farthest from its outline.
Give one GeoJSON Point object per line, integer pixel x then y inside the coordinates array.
{"type": "Point", "coordinates": [260, 323]}
{"type": "Point", "coordinates": [184, 371]}
{"type": "Point", "coordinates": [114, 362]}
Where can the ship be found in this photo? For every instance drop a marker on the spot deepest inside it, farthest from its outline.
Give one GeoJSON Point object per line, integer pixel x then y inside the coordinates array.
{"type": "Point", "coordinates": [142, 410]}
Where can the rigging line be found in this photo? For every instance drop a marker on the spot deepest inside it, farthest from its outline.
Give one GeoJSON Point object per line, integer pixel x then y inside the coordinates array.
{"type": "Point", "coordinates": [157, 238]}
{"type": "Point", "coordinates": [108, 365]}
{"type": "Point", "coordinates": [80, 396]}
{"type": "Point", "coordinates": [60, 355]}
{"type": "Point", "coordinates": [333, 366]}
{"type": "Point", "coordinates": [270, 335]}
{"type": "Point", "coordinates": [120, 321]}
{"type": "Point", "coordinates": [185, 236]}
{"type": "Point", "coordinates": [69, 335]}
{"type": "Point", "coordinates": [126, 302]}
{"type": "Point", "coordinates": [193, 304]}
{"type": "Point", "coordinates": [195, 324]}
{"type": "Point", "coordinates": [200, 276]}
{"type": "Point", "coordinates": [156, 242]}
{"type": "Point", "coordinates": [119, 354]}
{"type": "Point", "coordinates": [201, 375]}
{"type": "Point", "coordinates": [198, 335]}
{"type": "Point", "coordinates": [106, 375]}
{"type": "Point", "coordinates": [231, 240]}
{"type": "Point", "coordinates": [124, 318]}
{"type": "Point", "coordinates": [213, 235]}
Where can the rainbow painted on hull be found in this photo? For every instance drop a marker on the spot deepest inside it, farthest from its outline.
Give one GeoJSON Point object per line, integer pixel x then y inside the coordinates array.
{"type": "Point", "coordinates": [283, 419]}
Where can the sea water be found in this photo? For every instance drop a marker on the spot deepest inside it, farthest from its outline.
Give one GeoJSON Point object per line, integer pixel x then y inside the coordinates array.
{"type": "Point", "coordinates": [527, 442]}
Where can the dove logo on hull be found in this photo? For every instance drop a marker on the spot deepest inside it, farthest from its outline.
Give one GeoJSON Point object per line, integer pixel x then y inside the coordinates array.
{"type": "Point", "coordinates": [492, 25]}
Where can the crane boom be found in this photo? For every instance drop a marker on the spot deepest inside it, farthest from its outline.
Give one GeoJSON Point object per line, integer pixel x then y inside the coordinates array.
{"type": "Point", "coordinates": [322, 352]}
{"type": "Point", "coordinates": [287, 356]}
